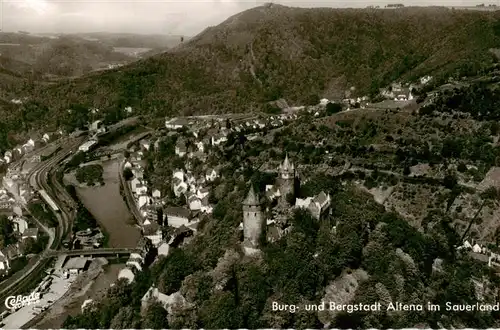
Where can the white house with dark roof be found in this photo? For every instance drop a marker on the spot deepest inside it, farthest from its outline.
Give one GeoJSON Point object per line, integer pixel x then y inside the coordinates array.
{"type": "Point", "coordinates": [141, 189]}
{"type": "Point", "coordinates": [180, 148]}
{"type": "Point", "coordinates": [127, 274]}
{"type": "Point", "coordinates": [20, 224]}
{"type": "Point", "coordinates": [153, 231]}
{"type": "Point", "coordinates": [12, 251]}
{"type": "Point", "coordinates": [202, 192]}
{"type": "Point", "coordinates": [194, 203]}
{"type": "Point", "coordinates": [205, 206]}
{"type": "Point", "coordinates": [134, 183]}
{"type": "Point", "coordinates": [179, 187]}
{"type": "Point", "coordinates": [30, 233]}
{"type": "Point", "coordinates": [156, 193]}
{"type": "Point", "coordinates": [200, 146]}
{"type": "Point", "coordinates": [218, 139]}
{"type": "Point", "coordinates": [4, 262]}
{"type": "Point", "coordinates": [177, 216]}
{"type": "Point", "coordinates": [211, 174]}
{"type": "Point", "coordinates": [178, 174]}
{"type": "Point", "coordinates": [145, 144]}
{"type": "Point", "coordinates": [143, 200]}
{"type": "Point", "coordinates": [163, 249]}
{"type": "Point", "coordinates": [46, 137]}
{"type": "Point", "coordinates": [138, 172]}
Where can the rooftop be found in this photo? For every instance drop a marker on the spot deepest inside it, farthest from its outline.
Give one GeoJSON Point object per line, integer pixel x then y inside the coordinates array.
{"type": "Point", "coordinates": [177, 211]}
{"type": "Point", "coordinates": [30, 232]}
{"type": "Point", "coordinates": [76, 263]}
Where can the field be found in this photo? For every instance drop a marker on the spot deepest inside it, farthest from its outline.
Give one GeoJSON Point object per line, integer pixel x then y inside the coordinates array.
{"type": "Point", "coordinates": [107, 206]}
{"type": "Point", "coordinates": [131, 51]}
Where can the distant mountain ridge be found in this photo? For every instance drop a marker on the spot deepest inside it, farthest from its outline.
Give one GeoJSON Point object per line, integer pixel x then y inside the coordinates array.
{"type": "Point", "coordinates": [273, 52]}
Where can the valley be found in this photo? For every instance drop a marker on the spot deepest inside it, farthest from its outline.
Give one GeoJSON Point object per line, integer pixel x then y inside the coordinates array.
{"type": "Point", "coordinates": [284, 157]}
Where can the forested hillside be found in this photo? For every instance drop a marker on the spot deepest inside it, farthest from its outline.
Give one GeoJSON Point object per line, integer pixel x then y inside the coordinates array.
{"type": "Point", "coordinates": [274, 51]}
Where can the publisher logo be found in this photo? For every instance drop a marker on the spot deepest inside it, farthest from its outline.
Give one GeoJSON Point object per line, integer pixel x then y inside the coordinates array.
{"type": "Point", "coordinates": [16, 302]}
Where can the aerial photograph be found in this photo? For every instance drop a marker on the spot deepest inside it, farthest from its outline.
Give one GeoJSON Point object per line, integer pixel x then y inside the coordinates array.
{"type": "Point", "coordinates": [236, 164]}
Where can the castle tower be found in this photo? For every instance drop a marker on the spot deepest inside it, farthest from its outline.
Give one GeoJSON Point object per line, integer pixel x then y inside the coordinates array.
{"type": "Point", "coordinates": [286, 178]}
{"type": "Point", "coordinates": [253, 220]}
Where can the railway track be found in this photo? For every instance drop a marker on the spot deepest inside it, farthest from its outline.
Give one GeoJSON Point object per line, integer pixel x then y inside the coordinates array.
{"type": "Point", "coordinates": [35, 268]}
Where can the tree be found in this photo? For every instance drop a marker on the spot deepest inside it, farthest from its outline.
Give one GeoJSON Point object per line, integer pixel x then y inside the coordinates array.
{"type": "Point", "coordinates": [450, 181]}
{"type": "Point", "coordinates": [271, 109]}
{"type": "Point", "coordinates": [156, 317]}
{"type": "Point", "coordinates": [332, 108]}
{"type": "Point", "coordinates": [33, 246]}
{"type": "Point", "coordinates": [220, 311]}
{"type": "Point", "coordinates": [127, 174]}
{"type": "Point", "coordinates": [178, 265]}
{"type": "Point", "coordinates": [6, 231]}
{"type": "Point", "coordinates": [312, 99]}
{"type": "Point", "coordinates": [461, 167]}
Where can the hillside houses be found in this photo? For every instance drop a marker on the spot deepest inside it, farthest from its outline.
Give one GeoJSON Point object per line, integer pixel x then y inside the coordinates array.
{"type": "Point", "coordinates": [192, 188]}
{"type": "Point", "coordinates": [29, 146]}
{"type": "Point", "coordinates": [398, 92]}
{"type": "Point", "coordinates": [176, 123]}
{"type": "Point", "coordinates": [212, 174]}
{"type": "Point", "coordinates": [152, 231]}
{"type": "Point", "coordinates": [180, 148]}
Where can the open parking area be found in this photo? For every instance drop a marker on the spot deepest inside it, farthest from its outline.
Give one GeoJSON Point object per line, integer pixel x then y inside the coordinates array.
{"type": "Point", "coordinates": [55, 285]}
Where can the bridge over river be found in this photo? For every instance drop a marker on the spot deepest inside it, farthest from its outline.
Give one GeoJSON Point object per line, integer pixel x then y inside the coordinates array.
{"type": "Point", "coordinates": [91, 252]}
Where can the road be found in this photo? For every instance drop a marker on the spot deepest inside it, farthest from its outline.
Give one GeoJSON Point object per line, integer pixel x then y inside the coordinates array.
{"type": "Point", "coordinates": [129, 198]}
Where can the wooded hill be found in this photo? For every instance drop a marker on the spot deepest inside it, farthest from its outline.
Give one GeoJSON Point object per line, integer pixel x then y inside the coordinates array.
{"type": "Point", "coordinates": [273, 52]}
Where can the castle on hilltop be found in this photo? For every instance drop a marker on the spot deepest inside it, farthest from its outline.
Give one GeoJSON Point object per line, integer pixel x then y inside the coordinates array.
{"type": "Point", "coordinates": [257, 227]}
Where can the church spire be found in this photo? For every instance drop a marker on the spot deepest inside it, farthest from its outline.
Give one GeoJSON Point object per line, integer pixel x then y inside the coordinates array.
{"type": "Point", "coordinates": [252, 198]}
{"type": "Point", "coordinates": [287, 165]}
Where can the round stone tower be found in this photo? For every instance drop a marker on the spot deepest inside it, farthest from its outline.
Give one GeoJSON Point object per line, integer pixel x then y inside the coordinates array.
{"type": "Point", "coordinates": [286, 178]}
{"type": "Point", "coordinates": [253, 219]}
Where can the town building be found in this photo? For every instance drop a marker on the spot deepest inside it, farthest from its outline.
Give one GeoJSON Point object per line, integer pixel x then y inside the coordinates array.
{"type": "Point", "coordinates": [180, 148]}
{"type": "Point", "coordinates": [4, 262]}
{"type": "Point", "coordinates": [211, 174]}
{"type": "Point", "coordinates": [76, 265]}
{"type": "Point", "coordinates": [30, 233]}
{"type": "Point", "coordinates": [87, 146]}
{"type": "Point", "coordinates": [126, 274]}
{"type": "Point", "coordinates": [19, 224]}
{"type": "Point", "coordinates": [177, 216]}
{"type": "Point", "coordinates": [152, 231]}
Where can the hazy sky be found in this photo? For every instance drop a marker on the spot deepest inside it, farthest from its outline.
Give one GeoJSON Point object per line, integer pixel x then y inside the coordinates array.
{"type": "Point", "coordinates": [187, 17]}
